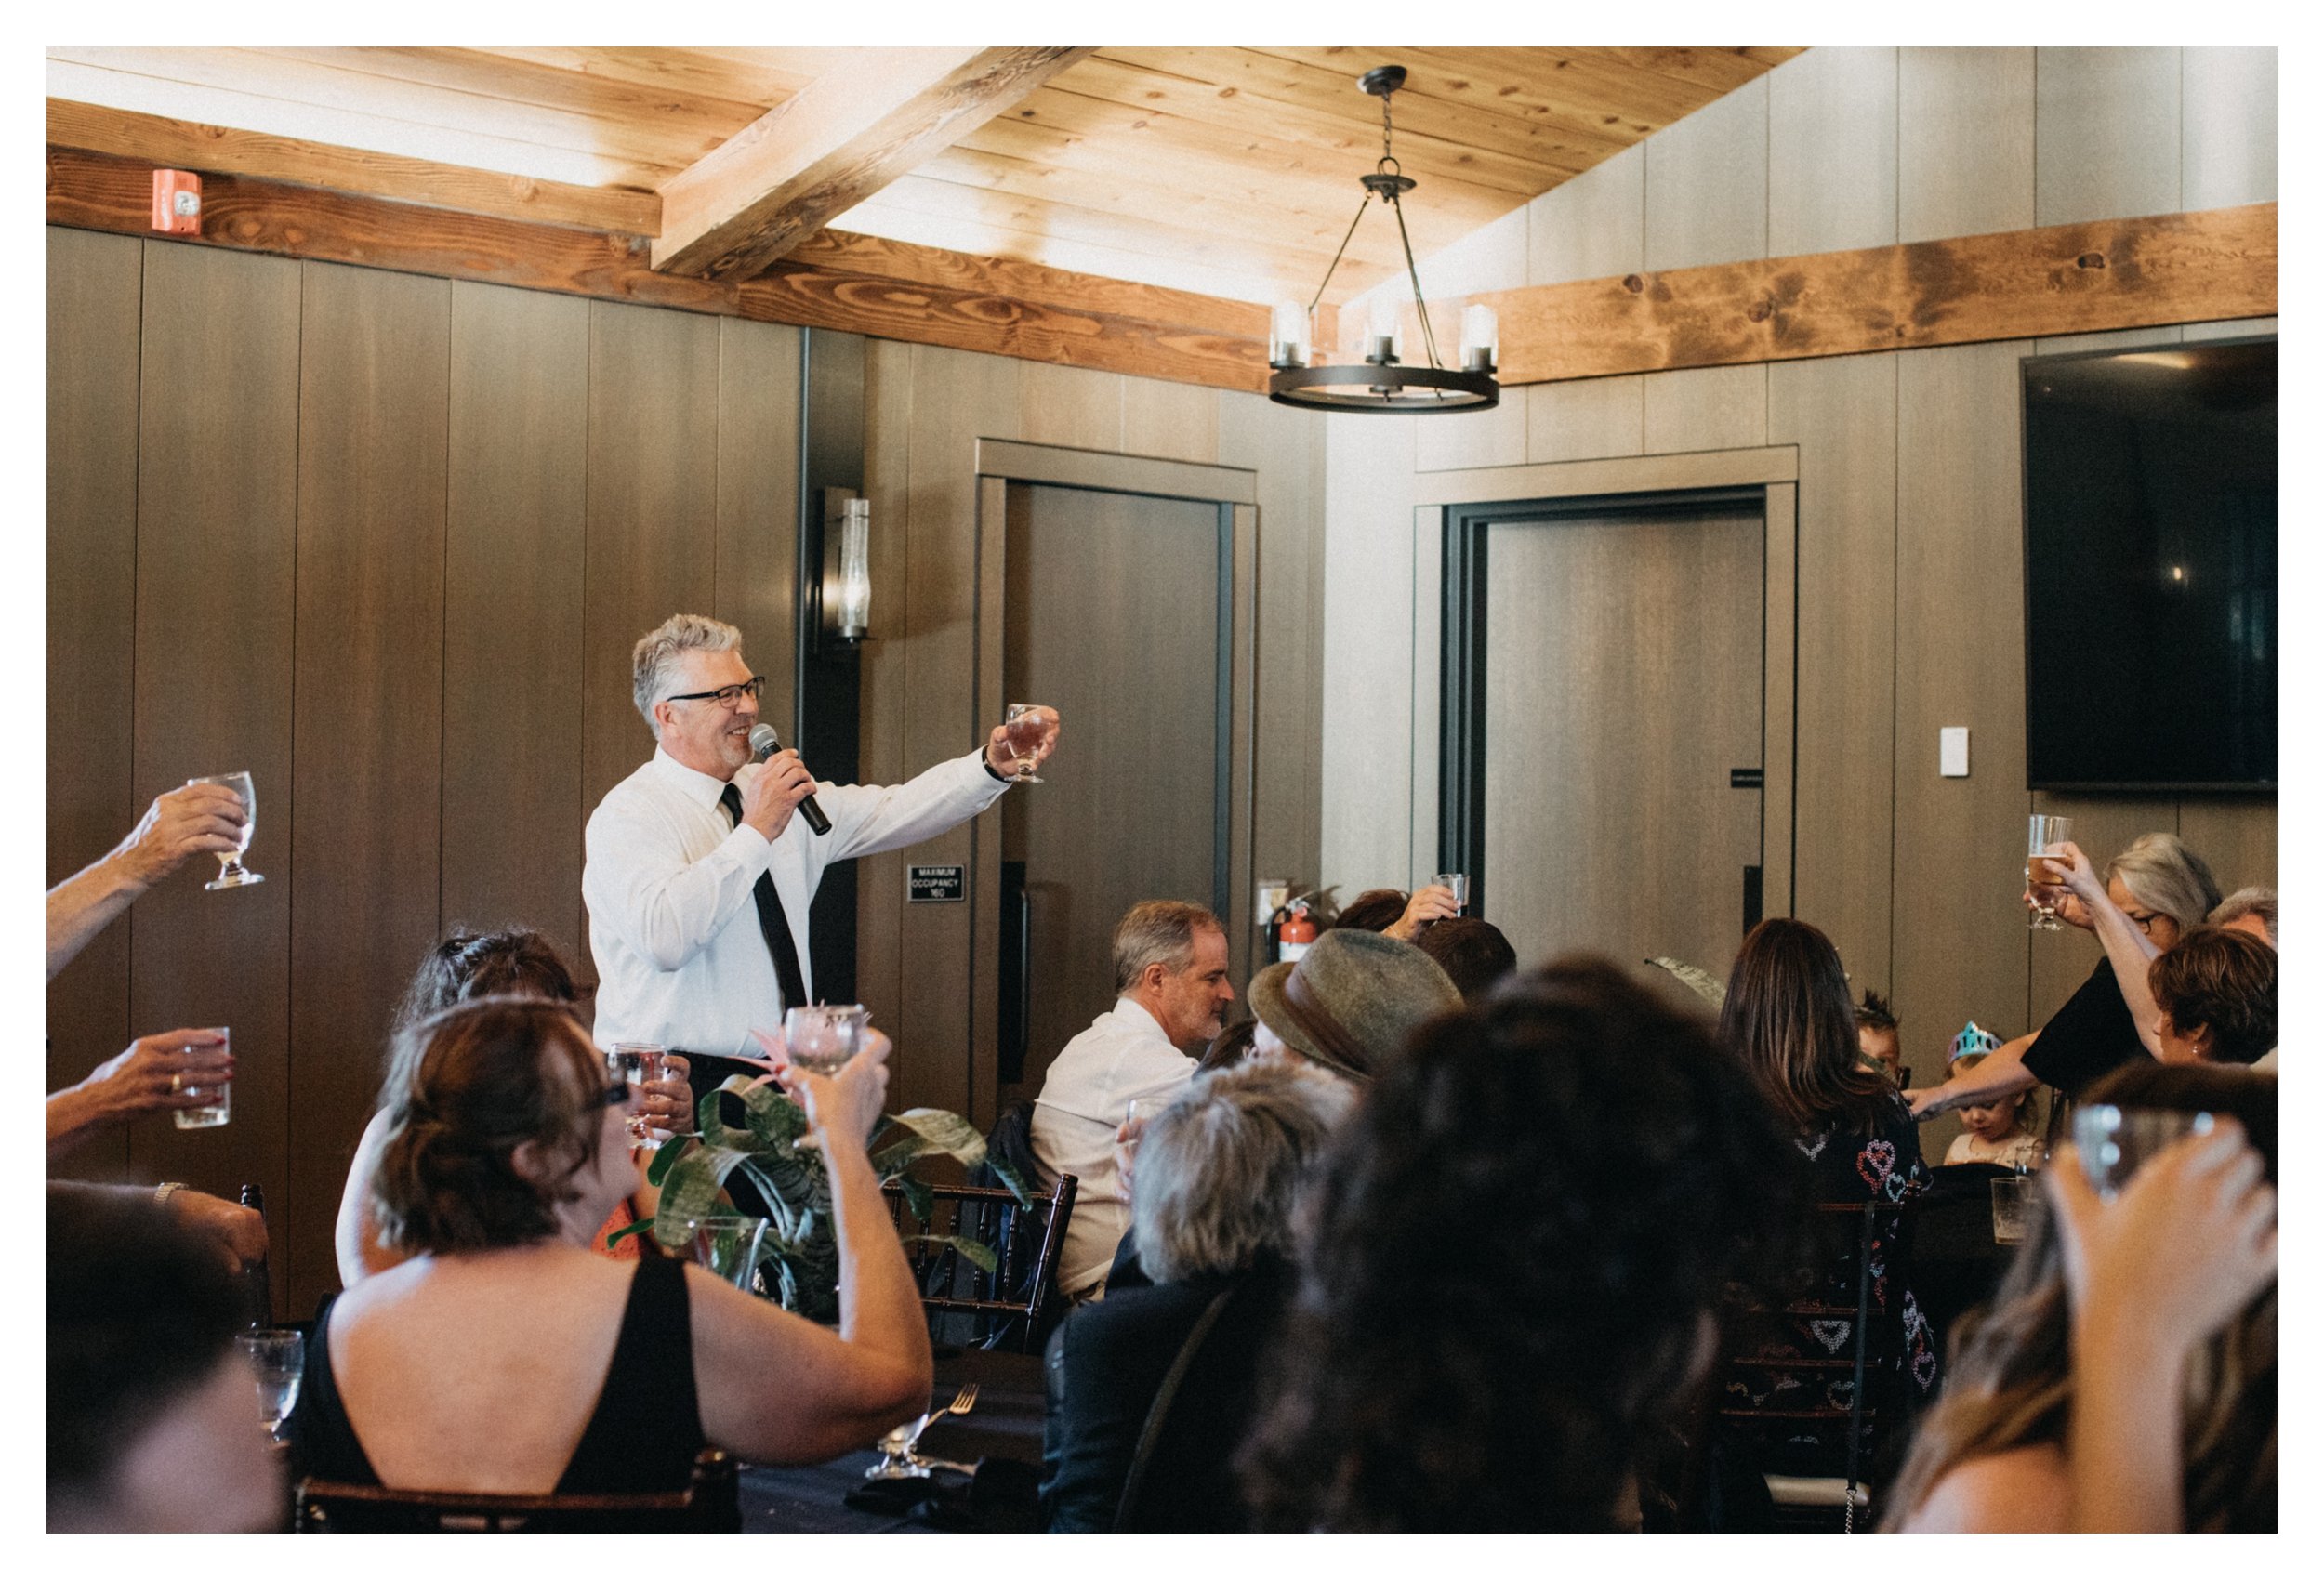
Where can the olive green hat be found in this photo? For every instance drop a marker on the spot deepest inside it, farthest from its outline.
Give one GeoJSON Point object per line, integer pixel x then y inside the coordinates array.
{"type": "Point", "coordinates": [1353, 999]}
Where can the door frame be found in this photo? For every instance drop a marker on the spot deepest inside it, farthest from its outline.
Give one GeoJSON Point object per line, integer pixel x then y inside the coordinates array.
{"type": "Point", "coordinates": [1452, 833]}
{"type": "Point", "coordinates": [1234, 492]}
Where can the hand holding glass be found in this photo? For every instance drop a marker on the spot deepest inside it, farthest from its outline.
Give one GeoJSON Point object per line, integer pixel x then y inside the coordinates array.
{"type": "Point", "coordinates": [822, 1037]}
{"type": "Point", "coordinates": [2043, 836]}
{"type": "Point", "coordinates": [232, 874]}
{"type": "Point", "coordinates": [1031, 728]}
{"type": "Point", "coordinates": [221, 1108]}
{"type": "Point", "coordinates": [637, 1064]}
{"type": "Point", "coordinates": [1458, 883]}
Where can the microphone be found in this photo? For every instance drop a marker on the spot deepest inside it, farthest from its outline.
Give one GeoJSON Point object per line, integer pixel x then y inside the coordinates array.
{"type": "Point", "coordinates": [764, 744]}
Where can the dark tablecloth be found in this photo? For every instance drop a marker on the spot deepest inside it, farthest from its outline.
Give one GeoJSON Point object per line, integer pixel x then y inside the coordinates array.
{"type": "Point", "coordinates": [1005, 1423]}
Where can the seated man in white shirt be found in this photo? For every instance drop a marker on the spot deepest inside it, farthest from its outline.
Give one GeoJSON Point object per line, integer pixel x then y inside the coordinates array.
{"type": "Point", "coordinates": [1169, 968]}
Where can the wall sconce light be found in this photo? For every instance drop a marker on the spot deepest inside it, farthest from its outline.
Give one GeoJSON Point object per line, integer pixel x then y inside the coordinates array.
{"type": "Point", "coordinates": [845, 602]}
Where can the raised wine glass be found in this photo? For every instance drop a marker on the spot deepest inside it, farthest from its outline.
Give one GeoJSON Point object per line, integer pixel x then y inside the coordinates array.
{"type": "Point", "coordinates": [232, 874]}
{"type": "Point", "coordinates": [638, 1064]}
{"type": "Point", "coordinates": [2043, 836]}
{"type": "Point", "coordinates": [1029, 725]}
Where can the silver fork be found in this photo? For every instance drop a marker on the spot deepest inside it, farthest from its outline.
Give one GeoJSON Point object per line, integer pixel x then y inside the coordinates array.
{"type": "Point", "coordinates": [897, 1455]}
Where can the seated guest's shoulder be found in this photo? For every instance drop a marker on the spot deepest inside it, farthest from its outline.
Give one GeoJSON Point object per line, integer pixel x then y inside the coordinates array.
{"type": "Point", "coordinates": [2019, 1489]}
{"type": "Point", "coordinates": [1139, 1318]}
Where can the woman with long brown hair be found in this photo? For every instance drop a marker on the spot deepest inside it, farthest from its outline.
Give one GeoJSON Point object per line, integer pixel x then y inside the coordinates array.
{"type": "Point", "coordinates": [2047, 1422]}
{"type": "Point", "coordinates": [1789, 1017]}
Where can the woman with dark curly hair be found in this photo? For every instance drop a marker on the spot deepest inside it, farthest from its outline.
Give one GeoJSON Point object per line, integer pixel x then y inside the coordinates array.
{"type": "Point", "coordinates": [2124, 1377]}
{"type": "Point", "coordinates": [1522, 1242]}
{"type": "Point", "coordinates": [501, 1356]}
{"type": "Point", "coordinates": [506, 962]}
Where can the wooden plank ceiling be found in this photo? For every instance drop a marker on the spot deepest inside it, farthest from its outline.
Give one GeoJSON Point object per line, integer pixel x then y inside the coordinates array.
{"type": "Point", "coordinates": [1226, 173]}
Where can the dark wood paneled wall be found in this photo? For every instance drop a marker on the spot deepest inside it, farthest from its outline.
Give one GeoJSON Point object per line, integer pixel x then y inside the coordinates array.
{"type": "Point", "coordinates": [385, 541]}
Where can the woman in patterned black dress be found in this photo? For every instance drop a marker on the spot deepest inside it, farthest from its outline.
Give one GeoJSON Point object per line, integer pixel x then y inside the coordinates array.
{"type": "Point", "coordinates": [1789, 1017]}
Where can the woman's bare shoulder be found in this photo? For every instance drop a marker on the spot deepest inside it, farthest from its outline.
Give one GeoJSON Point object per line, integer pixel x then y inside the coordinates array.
{"type": "Point", "coordinates": [2019, 1489]}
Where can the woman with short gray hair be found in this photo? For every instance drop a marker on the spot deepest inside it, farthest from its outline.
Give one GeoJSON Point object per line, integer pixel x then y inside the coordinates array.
{"type": "Point", "coordinates": [1150, 1389]}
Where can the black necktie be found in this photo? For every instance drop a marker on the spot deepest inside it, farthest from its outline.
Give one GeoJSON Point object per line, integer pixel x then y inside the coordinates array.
{"type": "Point", "coordinates": [770, 921]}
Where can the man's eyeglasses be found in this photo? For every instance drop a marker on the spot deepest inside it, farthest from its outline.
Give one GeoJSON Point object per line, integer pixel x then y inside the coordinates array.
{"type": "Point", "coordinates": [725, 696]}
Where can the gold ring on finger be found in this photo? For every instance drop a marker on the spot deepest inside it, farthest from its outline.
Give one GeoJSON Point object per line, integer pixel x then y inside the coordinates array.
{"type": "Point", "coordinates": [176, 1082]}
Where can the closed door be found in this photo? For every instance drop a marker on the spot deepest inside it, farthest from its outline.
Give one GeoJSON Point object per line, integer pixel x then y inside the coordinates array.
{"type": "Point", "coordinates": [1622, 717]}
{"type": "Point", "coordinates": [1114, 608]}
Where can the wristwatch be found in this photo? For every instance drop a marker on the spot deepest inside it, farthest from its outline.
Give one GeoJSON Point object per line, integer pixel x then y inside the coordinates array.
{"type": "Point", "coordinates": [165, 1190]}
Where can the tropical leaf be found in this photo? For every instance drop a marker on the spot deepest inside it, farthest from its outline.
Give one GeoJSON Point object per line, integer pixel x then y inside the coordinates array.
{"type": "Point", "coordinates": [943, 1131]}
{"type": "Point", "coordinates": [919, 1200]}
{"type": "Point", "coordinates": [1708, 988]}
{"type": "Point", "coordinates": [690, 1188]}
{"type": "Point", "coordinates": [643, 1226]}
{"type": "Point", "coordinates": [984, 1256]}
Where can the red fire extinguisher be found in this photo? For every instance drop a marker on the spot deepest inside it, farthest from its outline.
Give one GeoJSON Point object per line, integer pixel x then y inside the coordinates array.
{"type": "Point", "coordinates": [1297, 932]}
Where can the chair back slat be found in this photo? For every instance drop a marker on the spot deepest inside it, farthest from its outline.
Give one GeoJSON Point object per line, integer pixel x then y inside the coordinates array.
{"type": "Point", "coordinates": [1004, 1307]}
{"type": "Point", "coordinates": [711, 1501]}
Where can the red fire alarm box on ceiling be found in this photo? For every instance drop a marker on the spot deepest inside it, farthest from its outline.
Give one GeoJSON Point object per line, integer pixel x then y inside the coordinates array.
{"type": "Point", "coordinates": [178, 202]}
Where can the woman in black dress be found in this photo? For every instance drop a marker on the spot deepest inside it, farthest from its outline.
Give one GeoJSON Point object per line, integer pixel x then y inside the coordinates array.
{"type": "Point", "coordinates": [1788, 1019]}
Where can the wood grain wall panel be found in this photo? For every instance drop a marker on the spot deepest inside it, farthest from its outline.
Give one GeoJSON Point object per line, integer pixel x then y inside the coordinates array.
{"type": "Point", "coordinates": [1842, 413]}
{"type": "Point", "coordinates": [368, 711]}
{"type": "Point", "coordinates": [1965, 143]}
{"type": "Point", "coordinates": [1284, 447]}
{"type": "Point", "coordinates": [957, 397]}
{"type": "Point", "coordinates": [218, 467]}
{"type": "Point", "coordinates": [92, 544]}
{"type": "Point", "coordinates": [1367, 742]}
{"type": "Point", "coordinates": [888, 395]}
{"type": "Point", "coordinates": [1706, 183]}
{"type": "Point", "coordinates": [1721, 408]}
{"type": "Point", "coordinates": [1078, 408]}
{"type": "Point", "coordinates": [515, 516]}
{"type": "Point", "coordinates": [2102, 826]}
{"type": "Point", "coordinates": [1960, 642]}
{"type": "Point", "coordinates": [2106, 134]}
{"type": "Point", "coordinates": [1593, 226]}
{"type": "Point", "coordinates": [1831, 152]}
{"type": "Point", "coordinates": [1584, 419]}
{"type": "Point", "coordinates": [652, 548]}
{"type": "Point", "coordinates": [2236, 837]}
{"type": "Point", "coordinates": [1178, 422]}
{"type": "Point", "coordinates": [2227, 130]}
{"type": "Point", "coordinates": [757, 588]}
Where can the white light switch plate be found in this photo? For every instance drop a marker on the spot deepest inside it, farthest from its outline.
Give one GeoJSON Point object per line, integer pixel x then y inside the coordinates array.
{"type": "Point", "coordinates": [1952, 751]}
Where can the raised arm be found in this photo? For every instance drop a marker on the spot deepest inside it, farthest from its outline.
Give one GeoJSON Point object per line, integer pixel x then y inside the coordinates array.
{"type": "Point", "coordinates": [869, 818]}
{"type": "Point", "coordinates": [167, 1070]}
{"type": "Point", "coordinates": [180, 824]}
{"type": "Point", "coordinates": [2185, 1247]}
{"type": "Point", "coordinates": [1998, 1075]}
{"type": "Point", "coordinates": [776, 1388]}
{"type": "Point", "coordinates": [2128, 950]}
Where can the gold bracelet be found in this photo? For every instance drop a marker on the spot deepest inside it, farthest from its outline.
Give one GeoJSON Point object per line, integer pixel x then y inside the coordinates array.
{"type": "Point", "coordinates": [165, 1190]}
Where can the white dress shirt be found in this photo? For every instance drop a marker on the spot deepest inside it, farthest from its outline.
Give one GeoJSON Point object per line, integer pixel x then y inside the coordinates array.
{"type": "Point", "coordinates": [681, 959]}
{"type": "Point", "coordinates": [1123, 1057]}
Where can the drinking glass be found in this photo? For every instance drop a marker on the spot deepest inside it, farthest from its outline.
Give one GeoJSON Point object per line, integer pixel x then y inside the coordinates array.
{"type": "Point", "coordinates": [2043, 835]}
{"type": "Point", "coordinates": [638, 1063]}
{"type": "Point", "coordinates": [728, 1243]}
{"type": "Point", "coordinates": [2013, 1200]}
{"type": "Point", "coordinates": [221, 1108]}
{"type": "Point", "coordinates": [1028, 729]}
{"type": "Point", "coordinates": [278, 1359]}
{"type": "Point", "coordinates": [822, 1037]}
{"type": "Point", "coordinates": [2112, 1143]}
{"type": "Point", "coordinates": [1458, 883]}
{"type": "Point", "coordinates": [232, 874]}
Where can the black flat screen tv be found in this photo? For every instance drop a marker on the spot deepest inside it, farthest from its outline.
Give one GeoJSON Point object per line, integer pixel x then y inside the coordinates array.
{"type": "Point", "coordinates": [2150, 568]}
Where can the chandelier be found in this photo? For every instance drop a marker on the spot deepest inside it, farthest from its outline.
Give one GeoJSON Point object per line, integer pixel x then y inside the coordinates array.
{"type": "Point", "coordinates": [1381, 381]}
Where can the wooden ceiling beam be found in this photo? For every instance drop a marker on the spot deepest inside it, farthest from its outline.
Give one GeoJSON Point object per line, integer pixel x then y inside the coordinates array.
{"type": "Point", "coordinates": [191, 145]}
{"type": "Point", "coordinates": [968, 303]}
{"type": "Point", "coordinates": [841, 138]}
{"type": "Point", "coordinates": [2059, 280]}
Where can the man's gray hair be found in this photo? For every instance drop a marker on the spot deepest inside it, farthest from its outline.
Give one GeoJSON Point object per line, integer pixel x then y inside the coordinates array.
{"type": "Point", "coordinates": [653, 662]}
{"type": "Point", "coordinates": [1157, 930]}
{"type": "Point", "coordinates": [2164, 874]}
{"type": "Point", "coordinates": [1222, 1172]}
{"type": "Point", "coordinates": [2254, 900]}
